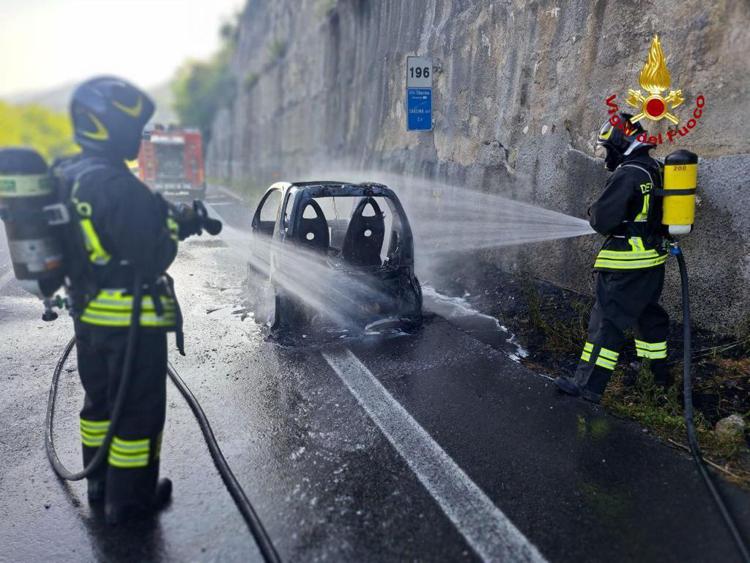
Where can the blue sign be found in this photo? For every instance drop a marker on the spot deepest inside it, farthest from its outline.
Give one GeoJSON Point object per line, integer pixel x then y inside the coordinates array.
{"type": "Point", "coordinates": [419, 109]}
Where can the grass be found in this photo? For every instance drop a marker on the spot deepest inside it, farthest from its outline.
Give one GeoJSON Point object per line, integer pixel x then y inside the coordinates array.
{"type": "Point", "coordinates": [554, 331]}
{"type": "Point", "coordinates": [662, 414]}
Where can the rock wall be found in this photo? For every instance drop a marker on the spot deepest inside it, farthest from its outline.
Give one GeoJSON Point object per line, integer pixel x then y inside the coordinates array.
{"type": "Point", "coordinates": [519, 92]}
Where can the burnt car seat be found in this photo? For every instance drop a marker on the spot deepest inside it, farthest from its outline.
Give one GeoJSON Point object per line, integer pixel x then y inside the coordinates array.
{"type": "Point", "coordinates": [364, 237]}
{"type": "Point", "coordinates": [313, 232]}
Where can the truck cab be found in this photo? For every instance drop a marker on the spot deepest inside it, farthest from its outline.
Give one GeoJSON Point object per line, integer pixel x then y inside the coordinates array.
{"type": "Point", "coordinates": [170, 162]}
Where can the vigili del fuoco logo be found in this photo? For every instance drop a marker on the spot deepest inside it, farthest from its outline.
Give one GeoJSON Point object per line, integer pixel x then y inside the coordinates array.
{"type": "Point", "coordinates": [654, 105]}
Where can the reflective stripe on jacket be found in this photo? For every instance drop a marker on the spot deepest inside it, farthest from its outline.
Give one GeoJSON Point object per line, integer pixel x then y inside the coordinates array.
{"type": "Point", "coordinates": [113, 308]}
{"type": "Point", "coordinates": [629, 215]}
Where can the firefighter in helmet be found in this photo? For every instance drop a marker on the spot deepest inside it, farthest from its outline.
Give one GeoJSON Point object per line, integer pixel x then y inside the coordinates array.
{"type": "Point", "coordinates": [630, 265]}
{"type": "Point", "coordinates": [123, 229]}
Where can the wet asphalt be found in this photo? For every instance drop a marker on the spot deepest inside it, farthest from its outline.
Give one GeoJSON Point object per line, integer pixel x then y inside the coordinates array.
{"type": "Point", "coordinates": [428, 447]}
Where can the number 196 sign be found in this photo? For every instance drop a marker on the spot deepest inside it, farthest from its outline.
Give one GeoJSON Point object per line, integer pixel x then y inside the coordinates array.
{"type": "Point", "coordinates": [418, 93]}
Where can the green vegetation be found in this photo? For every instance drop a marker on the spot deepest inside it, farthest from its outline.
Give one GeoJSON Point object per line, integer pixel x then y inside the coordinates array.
{"type": "Point", "coordinates": [554, 334]}
{"type": "Point", "coordinates": [202, 88]}
{"type": "Point", "coordinates": [663, 415]}
{"type": "Point", "coordinates": [277, 50]}
{"type": "Point", "coordinates": [34, 126]}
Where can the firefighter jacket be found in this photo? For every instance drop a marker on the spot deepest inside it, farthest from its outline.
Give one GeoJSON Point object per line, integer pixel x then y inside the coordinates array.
{"type": "Point", "coordinates": [629, 213]}
{"type": "Point", "coordinates": [122, 226]}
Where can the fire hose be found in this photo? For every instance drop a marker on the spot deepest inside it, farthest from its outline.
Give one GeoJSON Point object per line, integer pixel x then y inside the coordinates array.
{"type": "Point", "coordinates": [262, 539]}
{"type": "Point", "coordinates": [688, 408]}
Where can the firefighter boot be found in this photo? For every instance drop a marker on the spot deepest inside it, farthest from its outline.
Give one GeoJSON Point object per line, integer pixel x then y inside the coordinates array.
{"type": "Point", "coordinates": [116, 515]}
{"type": "Point", "coordinates": [596, 383]}
{"type": "Point", "coordinates": [567, 385]}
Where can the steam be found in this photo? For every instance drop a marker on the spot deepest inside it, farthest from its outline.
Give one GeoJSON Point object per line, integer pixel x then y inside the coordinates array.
{"type": "Point", "coordinates": [445, 220]}
{"type": "Point", "coordinates": [335, 295]}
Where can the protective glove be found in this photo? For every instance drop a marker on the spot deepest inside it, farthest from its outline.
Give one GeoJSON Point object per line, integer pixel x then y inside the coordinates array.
{"type": "Point", "coordinates": [189, 221]}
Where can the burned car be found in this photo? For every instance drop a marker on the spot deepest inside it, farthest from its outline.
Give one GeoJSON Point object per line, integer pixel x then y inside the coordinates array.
{"type": "Point", "coordinates": [335, 251]}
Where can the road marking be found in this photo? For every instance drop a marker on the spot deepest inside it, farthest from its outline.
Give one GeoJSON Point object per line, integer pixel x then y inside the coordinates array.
{"type": "Point", "coordinates": [220, 203]}
{"type": "Point", "coordinates": [486, 529]}
{"type": "Point", "coordinates": [6, 278]}
{"type": "Point", "coordinates": [230, 193]}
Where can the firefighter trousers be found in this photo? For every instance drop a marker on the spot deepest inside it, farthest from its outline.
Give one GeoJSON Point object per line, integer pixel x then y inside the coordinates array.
{"type": "Point", "coordinates": [624, 300]}
{"type": "Point", "coordinates": [132, 467]}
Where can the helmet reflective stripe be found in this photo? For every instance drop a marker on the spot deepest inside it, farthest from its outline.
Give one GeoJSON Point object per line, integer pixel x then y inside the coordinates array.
{"type": "Point", "coordinates": [101, 133]}
{"type": "Point", "coordinates": [134, 111]}
{"type": "Point", "coordinates": [605, 133]}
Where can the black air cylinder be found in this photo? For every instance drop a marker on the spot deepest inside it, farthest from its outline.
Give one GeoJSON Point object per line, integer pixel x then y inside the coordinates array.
{"type": "Point", "coordinates": [26, 188]}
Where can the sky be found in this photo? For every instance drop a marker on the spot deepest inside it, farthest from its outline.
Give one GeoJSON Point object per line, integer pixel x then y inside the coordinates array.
{"type": "Point", "coordinates": [48, 43]}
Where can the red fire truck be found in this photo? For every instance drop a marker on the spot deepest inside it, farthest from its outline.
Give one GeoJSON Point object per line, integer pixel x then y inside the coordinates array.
{"type": "Point", "coordinates": [171, 162]}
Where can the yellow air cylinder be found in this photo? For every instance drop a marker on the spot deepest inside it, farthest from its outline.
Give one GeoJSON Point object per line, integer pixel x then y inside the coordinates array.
{"type": "Point", "coordinates": [680, 184]}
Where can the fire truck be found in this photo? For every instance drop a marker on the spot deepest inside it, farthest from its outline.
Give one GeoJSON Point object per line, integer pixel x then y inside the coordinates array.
{"type": "Point", "coordinates": [170, 162]}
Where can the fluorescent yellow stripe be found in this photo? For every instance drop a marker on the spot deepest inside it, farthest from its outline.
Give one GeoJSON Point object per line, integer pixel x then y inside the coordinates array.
{"type": "Point", "coordinates": [93, 436]}
{"type": "Point", "coordinates": [609, 354]}
{"type": "Point", "coordinates": [93, 432]}
{"type": "Point", "coordinates": [92, 442]}
{"type": "Point", "coordinates": [629, 254]}
{"type": "Point", "coordinates": [127, 444]}
{"type": "Point", "coordinates": [129, 453]}
{"type": "Point", "coordinates": [605, 363]}
{"type": "Point", "coordinates": [643, 215]}
{"type": "Point", "coordinates": [114, 320]}
{"type": "Point", "coordinates": [586, 356]}
{"type": "Point", "coordinates": [636, 243]}
{"type": "Point", "coordinates": [588, 347]}
{"type": "Point", "coordinates": [127, 463]}
{"type": "Point", "coordinates": [654, 346]}
{"type": "Point", "coordinates": [174, 229]}
{"type": "Point", "coordinates": [95, 424]}
{"type": "Point", "coordinates": [628, 264]}
{"type": "Point", "coordinates": [97, 254]}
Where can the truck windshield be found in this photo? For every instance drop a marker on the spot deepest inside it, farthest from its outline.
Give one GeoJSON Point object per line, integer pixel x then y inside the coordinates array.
{"type": "Point", "coordinates": [170, 161]}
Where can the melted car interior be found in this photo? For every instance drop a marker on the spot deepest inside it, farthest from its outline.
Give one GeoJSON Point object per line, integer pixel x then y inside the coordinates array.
{"type": "Point", "coordinates": [361, 231]}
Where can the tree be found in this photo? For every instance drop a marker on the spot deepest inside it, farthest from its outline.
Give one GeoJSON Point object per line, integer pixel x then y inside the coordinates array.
{"type": "Point", "coordinates": [49, 132]}
{"type": "Point", "coordinates": [201, 88]}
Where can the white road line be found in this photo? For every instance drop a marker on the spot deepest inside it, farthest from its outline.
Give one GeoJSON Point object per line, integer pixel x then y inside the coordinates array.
{"type": "Point", "coordinates": [6, 278]}
{"type": "Point", "coordinates": [230, 193]}
{"type": "Point", "coordinates": [221, 203]}
{"type": "Point", "coordinates": [489, 532]}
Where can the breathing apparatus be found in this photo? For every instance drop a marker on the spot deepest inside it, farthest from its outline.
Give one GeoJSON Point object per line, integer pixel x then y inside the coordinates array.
{"type": "Point", "coordinates": [38, 225]}
{"type": "Point", "coordinates": [620, 138]}
{"type": "Point", "coordinates": [32, 214]}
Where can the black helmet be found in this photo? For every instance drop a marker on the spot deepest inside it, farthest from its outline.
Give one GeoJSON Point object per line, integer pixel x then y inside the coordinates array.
{"type": "Point", "coordinates": [108, 116]}
{"type": "Point", "coordinates": [620, 139]}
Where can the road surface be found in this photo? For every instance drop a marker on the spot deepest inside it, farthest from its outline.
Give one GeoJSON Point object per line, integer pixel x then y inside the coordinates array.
{"type": "Point", "coordinates": [438, 446]}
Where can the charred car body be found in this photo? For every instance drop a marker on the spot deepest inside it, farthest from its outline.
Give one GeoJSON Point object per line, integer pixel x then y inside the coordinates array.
{"type": "Point", "coordinates": [337, 250]}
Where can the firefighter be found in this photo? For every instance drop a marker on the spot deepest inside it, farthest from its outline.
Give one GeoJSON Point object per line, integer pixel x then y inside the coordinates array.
{"type": "Point", "coordinates": [124, 229]}
{"type": "Point", "coordinates": [630, 265]}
